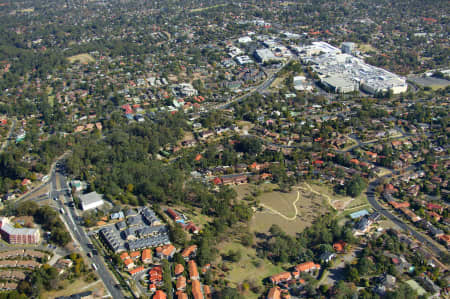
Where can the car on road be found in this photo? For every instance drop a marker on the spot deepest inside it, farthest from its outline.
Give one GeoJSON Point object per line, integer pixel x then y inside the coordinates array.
{"type": "Point", "coordinates": [94, 266]}
{"type": "Point", "coordinates": [62, 210]}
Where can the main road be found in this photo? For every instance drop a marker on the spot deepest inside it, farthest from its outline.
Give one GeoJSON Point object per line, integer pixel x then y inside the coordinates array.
{"type": "Point", "coordinates": [9, 135]}
{"type": "Point", "coordinates": [380, 209]}
{"type": "Point", "coordinates": [259, 88]}
{"type": "Point", "coordinates": [79, 234]}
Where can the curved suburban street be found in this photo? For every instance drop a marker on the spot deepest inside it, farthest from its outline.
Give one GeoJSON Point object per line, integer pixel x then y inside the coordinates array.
{"type": "Point", "coordinates": [400, 223]}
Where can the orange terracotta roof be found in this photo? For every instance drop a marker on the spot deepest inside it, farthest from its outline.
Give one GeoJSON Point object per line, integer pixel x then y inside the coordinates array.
{"type": "Point", "coordinates": [188, 251]}
{"type": "Point", "coordinates": [155, 274]}
{"type": "Point", "coordinates": [398, 205]}
{"type": "Point", "coordinates": [274, 293]}
{"type": "Point", "coordinates": [354, 161]}
{"type": "Point", "coordinates": [181, 295]}
{"type": "Point", "coordinates": [207, 291]}
{"type": "Point", "coordinates": [196, 290]}
{"type": "Point", "coordinates": [128, 262]}
{"type": "Point", "coordinates": [160, 295]}
{"type": "Point", "coordinates": [281, 277]}
{"type": "Point", "coordinates": [124, 256]}
{"type": "Point", "coordinates": [339, 246]}
{"type": "Point", "coordinates": [307, 266]}
{"type": "Point", "coordinates": [135, 254]}
{"type": "Point", "coordinates": [146, 255]}
{"type": "Point", "coordinates": [178, 269]}
{"type": "Point", "coordinates": [181, 283]}
{"type": "Point", "coordinates": [445, 238]}
{"type": "Point", "coordinates": [137, 270]}
{"type": "Point", "coordinates": [193, 271]}
{"type": "Point", "coordinates": [166, 249]}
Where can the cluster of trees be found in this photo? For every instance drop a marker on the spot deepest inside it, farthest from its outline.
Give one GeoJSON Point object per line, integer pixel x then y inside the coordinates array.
{"type": "Point", "coordinates": [43, 278]}
{"type": "Point", "coordinates": [122, 165]}
{"type": "Point", "coordinates": [12, 295]}
{"type": "Point", "coordinates": [13, 168]}
{"type": "Point", "coordinates": [45, 216]}
{"type": "Point", "coordinates": [308, 245]}
{"type": "Point", "coordinates": [355, 186]}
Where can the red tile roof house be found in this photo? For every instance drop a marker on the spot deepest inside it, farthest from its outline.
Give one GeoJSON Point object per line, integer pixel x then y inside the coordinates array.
{"type": "Point", "coordinates": [434, 215]}
{"type": "Point", "coordinates": [135, 255]}
{"type": "Point", "coordinates": [166, 251]}
{"type": "Point", "coordinates": [282, 277]}
{"type": "Point", "coordinates": [192, 228]}
{"type": "Point", "coordinates": [196, 290]}
{"type": "Point", "coordinates": [217, 181]}
{"type": "Point", "coordinates": [239, 179]}
{"type": "Point", "coordinates": [181, 283]}
{"type": "Point", "coordinates": [181, 295]}
{"type": "Point", "coordinates": [339, 246]}
{"type": "Point", "coordinates": [193, 271]}
{"type": "Point", "coordinates": [445, 239]}
{"type": "Point", "coordinates": [307, 267]}
{"type": "Point", "coordinates": [160, 295]}
{"type": "Point", "coordinates": [398, 205]}
{"type": "Point", "coordinates": [155, 275]}
{"type": "Point", "coordinates": [129, 263]}
{"type": "Point", "coordinates": [146, 256]}
{"type": "Point", "coordinates": [174, 215]}
{"type": "Point", "coordinates": [189, 252]}
{"type": "Point", "coordinates": [179, 269]}
{"type": "Point", "coordinates": [137, 270]}
{"type": "Point", "coordinates": [435, 207]}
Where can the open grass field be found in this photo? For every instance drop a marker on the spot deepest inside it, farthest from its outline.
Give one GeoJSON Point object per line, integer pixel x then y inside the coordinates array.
{"type": "Point", "coordinates": [292, 211]}
{"type": "Point", "coordinates": [245, 125]}
{"type": "Point", "coordinates": [83, 58]}
{"type": "Point", "coordinates": [250, 189]}
{"type": "Point", "coordinates": [367, 48]}
{"type": "Point", "coordinates": [250, 267]}
{"type": "Point", "coordinates": [277, 83]}
{"type": "Point", "coordinates": [26, 10]}
{"type": "Point", "coordinates": [77, 286]}
{"type": "Point", "coordinates": [206, 8]}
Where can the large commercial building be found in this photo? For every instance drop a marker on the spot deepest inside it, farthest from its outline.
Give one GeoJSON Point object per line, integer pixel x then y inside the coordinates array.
{"type": "Point", "coordinates": [91, 201]}
{"type": "Point", "coordinates": [345, 73]}
{"type": "Point", "coordinates": [348, 47]}
{"type": "Point", "coordinates": [340, 84]}
{"type": "Point", "coordinates": [265, 55]}
{"type": "Point", "coordinates": [15, 235]}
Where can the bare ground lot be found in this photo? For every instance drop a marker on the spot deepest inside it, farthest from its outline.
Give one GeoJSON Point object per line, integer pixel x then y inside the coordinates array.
{"type": "Point", "coordinates": [83, 58]}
